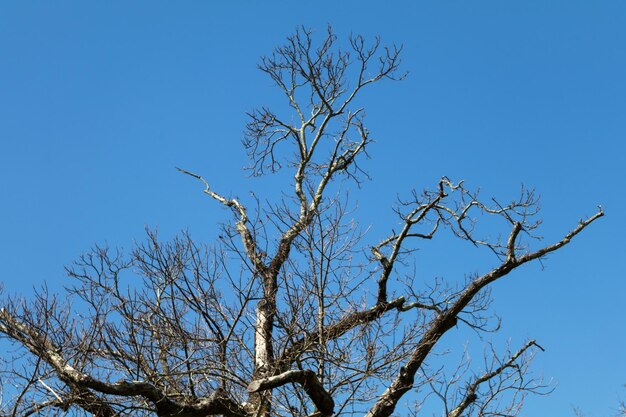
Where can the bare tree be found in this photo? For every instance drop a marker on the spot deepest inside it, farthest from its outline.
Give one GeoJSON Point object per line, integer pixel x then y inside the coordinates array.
{"type": "Point", "coordinates": [286, 314]}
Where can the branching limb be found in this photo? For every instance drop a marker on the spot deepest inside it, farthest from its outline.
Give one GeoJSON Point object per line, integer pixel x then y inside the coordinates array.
{"type": "Point", "coordinates": [447, 319]}
{"type": "Point", "coordinates": [471, 392]}
{"type": "Point", "coordinates": [335, 330]}
{"type": "Point", "coordinates": [414, 217]}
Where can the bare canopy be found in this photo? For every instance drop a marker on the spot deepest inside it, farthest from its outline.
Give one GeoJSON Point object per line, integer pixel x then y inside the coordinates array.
{"type": "Point", "coordinates": [286, 314]}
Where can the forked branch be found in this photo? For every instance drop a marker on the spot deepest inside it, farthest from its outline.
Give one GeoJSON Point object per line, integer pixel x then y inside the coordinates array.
{"type": "Point", "coordinates": [447, 319]}
{"type": "Point", "coordinates": [471, 392]}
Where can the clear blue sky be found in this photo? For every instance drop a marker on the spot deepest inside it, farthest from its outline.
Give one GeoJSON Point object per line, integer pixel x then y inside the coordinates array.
{"type": "Point", "coordinates": [100, 100]}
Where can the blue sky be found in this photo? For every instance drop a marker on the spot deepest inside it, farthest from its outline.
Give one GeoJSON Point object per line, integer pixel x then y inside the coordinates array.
{"type": "Point", "coordinates": [99, 101]}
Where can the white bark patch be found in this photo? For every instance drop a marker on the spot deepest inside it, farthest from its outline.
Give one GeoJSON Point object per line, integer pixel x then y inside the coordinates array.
{"type": "Point", "coordinates": [261, 353]}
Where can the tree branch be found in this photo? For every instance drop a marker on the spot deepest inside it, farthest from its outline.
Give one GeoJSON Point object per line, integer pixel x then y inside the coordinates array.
{"type": "Point", "coordinates": [471, 391]}
{"type": "Point", "coordinates": [311, 385]}
{"type": "Point", "coordinates": [248, 240]}
{"type": "Point", "coordinates": [42, 347]}
{"type": "Point", "coordinates": [447, 319]}
{"type": "Point", "coordinates": [336, 330]}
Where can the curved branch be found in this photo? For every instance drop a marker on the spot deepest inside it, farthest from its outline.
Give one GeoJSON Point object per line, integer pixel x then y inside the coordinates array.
{"type": "Point", "coordinates": [311, 385]}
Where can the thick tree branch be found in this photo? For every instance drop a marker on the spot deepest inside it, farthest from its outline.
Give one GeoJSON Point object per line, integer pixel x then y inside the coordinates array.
{"type": "Point", "coordinates": [311, 385]}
